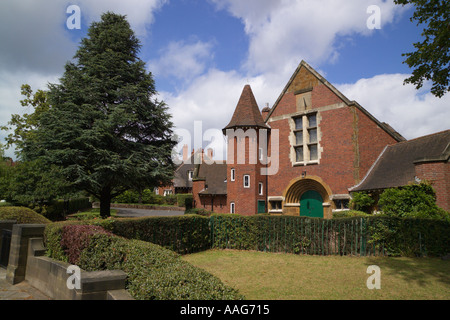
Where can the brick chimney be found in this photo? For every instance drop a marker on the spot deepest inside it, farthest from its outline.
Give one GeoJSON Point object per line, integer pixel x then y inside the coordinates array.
{"type": "Point", "coordinates": [265, 111]}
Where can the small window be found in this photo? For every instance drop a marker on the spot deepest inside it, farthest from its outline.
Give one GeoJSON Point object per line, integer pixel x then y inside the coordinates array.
{"type": "Point", "coordinates": [260, 188]}
{"type": "Point", "coordinates": [312, 135]}
{"type": "Point", "coordinates": [299, 154]}
{"type": "Point", "coordinates": [156, 190]}
{"type": "Point", "coordinates": [299, 137]}
{"type": "Point", "coordinates": [312, 120]}
{"type": "Point", "coordinates": [232, 174]}
{"type": "Point", "coordinates": [313, 152]}
{"type": "Point", "coordinates": [275, 205]}
{"type": "Point", "coordinates": [190, 175]}
{"type": "Point", "coordinates": [260, 154]}
{"type": "Point", "coordinates": [341, 204]}
{"type": "Point", "coordinates": [232, 207]}
{"type": "Point", "coordinates": [298, 123]}
{"type": "Point", "coordinates": [246, 181]}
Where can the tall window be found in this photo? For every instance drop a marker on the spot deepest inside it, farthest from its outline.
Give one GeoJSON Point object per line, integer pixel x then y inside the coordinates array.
{"type": "Point", "coordinates": [232, 174]}
{"type": "Point", "coordinates": [232, 207]}
{"type": "Point", "coordinates": [306, 138]}
{"type": "Point", "coordinates": [260, 188]}
{"type": "Point", "coordinates": [246, 181]}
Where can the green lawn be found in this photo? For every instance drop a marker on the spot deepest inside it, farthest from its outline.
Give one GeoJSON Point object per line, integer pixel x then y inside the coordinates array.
{"type": "Point", "coordinates": [272, 276]}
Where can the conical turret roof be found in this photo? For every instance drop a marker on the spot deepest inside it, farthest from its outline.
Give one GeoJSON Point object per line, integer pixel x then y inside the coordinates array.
{"type": "Point", "coordinates": [247, 112]}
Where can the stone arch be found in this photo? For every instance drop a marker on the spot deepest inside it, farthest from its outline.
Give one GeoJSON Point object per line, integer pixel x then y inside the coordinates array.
{"type": "Point", "coordinates": [298, 186]}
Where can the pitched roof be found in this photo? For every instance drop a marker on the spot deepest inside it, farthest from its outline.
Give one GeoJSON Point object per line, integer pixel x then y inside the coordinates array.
{"type": "Point", "coordinates": [303, 64]}
{"type": "Point", "coordinates": [247, 112]}
{"type": "Point", "coordinates": [181, 174]}
{"type": "Point", "coordinates": [215, 176]}
{"type": "Point", "coordinates": [395, 165]}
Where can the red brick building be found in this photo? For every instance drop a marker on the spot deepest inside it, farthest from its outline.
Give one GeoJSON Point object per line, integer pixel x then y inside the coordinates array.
{"type": "Point", "coordinates": [299, 157]}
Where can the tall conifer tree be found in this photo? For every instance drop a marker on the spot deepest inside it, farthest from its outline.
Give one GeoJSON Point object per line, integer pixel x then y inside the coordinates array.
{"type": "Point", "coordinates": [105, 127]}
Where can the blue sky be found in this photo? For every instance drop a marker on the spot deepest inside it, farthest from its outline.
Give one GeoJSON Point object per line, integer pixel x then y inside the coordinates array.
{"type": "Point", "coordinates": [203, 52]}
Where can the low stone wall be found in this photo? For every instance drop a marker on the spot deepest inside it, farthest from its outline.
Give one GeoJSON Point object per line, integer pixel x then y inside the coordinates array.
{"type": "Point", "coordinates": [58, 280]}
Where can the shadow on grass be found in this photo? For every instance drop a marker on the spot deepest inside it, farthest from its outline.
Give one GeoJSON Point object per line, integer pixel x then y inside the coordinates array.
{"type": "Point", "coordinates": [417, 270]}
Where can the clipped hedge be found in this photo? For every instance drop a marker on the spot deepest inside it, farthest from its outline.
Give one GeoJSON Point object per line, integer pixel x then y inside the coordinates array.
{"type": "Point", "coordinates": [185, 200]}
{"type": "Point", "coordinates": [360, 235]}
{"type": "Point", "coordinates": [153, 272]}
{"type": "Point", "coordinates": [22, 215]}
{"type": "Point", "coordinates": [182, 234]}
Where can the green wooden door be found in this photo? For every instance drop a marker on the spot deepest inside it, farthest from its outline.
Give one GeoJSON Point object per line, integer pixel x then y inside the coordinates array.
{"type": "Point", "coordinates": [261, 206]}
{"type": "Point", "coordinates": [311, 204]}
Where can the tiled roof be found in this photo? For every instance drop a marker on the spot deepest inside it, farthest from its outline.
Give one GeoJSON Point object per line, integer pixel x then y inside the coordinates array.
{"type": "Point", "coordinates": [247, 112]}
{"type": "Point", "coordinates": [215, 176]}
{"type": "Point", "coordinates": [395, 166]}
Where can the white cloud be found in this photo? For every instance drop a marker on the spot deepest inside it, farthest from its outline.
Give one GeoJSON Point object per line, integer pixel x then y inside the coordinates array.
{"type": "Point", "coordinates": [182, 59]}
{"type": "Point", "coordinates": [140, 13]}
{"type": "Point", "coordinates": [412, 113]}
{"type": "Point", "coordinates": [284, 32]}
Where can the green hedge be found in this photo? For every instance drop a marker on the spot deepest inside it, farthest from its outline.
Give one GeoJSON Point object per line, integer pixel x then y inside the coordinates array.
{"type": "Point", "coordinates": [182, 234]}
{"type": "Point", "coordinates": [373, 235]}
{"type": "Point", "coordinates": [59, 209]}
{"type": "Point", "coordinates": [153, 272]}
{"type": "Point", "coordinates": [22, 215]}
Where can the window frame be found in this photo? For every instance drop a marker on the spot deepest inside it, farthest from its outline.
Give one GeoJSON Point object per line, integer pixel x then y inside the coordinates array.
{"type": "Point", "coordinates": [306, 144]}
{"type": "Point", "coordinates": [232, 207]}
{"type": "Point", "coordinates": [246, 176]}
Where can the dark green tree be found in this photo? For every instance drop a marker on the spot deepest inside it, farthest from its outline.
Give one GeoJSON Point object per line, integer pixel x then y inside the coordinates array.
{"type": "Point", "coordinates": [431, 60]}
{"type": "Point", "coordinates": [105, 128]}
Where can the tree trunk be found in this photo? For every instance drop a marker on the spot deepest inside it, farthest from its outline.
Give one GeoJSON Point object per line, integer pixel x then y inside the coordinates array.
{"type": "Point", "coordinates": [105, 203]}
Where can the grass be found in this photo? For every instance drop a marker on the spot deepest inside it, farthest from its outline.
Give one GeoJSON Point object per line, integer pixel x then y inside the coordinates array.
{"type": "Point", "coordinates": [272, 276]}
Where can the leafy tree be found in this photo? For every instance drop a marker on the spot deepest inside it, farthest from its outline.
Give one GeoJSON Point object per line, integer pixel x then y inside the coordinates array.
{"type": "Point", "coordinates": [25, 126]}
{"type": "Point", "coordinates": [431, 60]}
{"type": "Point", "coordinates": [104, 127]}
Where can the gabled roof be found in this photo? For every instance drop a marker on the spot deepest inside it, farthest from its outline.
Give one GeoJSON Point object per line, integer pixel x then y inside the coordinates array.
{"type": "Point", "coordinates": [305, 65]}
{"type": "Point", "coordinates": [181, 174]}
{"type": "Point", "coordinates": [215, 176]}
{"type": "Point", "coordinates": [247, 113]}
{"type": "Point", "coordinates": [395, 165]}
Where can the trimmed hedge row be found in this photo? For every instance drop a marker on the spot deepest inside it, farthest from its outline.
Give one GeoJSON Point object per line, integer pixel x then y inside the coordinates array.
{"type": "Point", "coordinates": [154, 273]}
{"type": "Point", "coordinates": [374, 235]}
{"type": "Point", "coordinates": [182, 234]}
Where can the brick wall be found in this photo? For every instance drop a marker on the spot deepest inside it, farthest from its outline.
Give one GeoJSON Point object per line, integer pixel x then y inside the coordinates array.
{"type": "Point", "coordinates": [438, 173]}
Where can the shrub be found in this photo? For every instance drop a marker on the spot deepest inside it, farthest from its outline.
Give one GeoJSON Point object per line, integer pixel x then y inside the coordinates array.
{"type": "Point", "coordinates": [185, 200]}
{"type": "Point", "coordinates": [182, 234]}
{"type": "Point", "coordinates": [22, 215]}
{"type": "Point", "coordinates": [154, 273]}
{"type": "Point", "coordinates": [75, 238]}
{"type": "Point", "coordinates": [361, 201]}
{"type": "Point", "coordinates": [413, 201]}
{"type": "Point", "coordinates": [349, 213]}
{"type": "Point", "coordinates": [199, 211]}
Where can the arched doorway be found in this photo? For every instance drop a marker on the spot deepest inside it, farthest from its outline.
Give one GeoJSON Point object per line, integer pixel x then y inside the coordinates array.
{"type": "Point", "coordinates": [311, 204]}
{"type": "Point", "coordinates": [310, 188]}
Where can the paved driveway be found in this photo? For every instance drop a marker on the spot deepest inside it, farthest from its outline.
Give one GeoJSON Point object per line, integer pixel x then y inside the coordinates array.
{"type": "Point", "coordinates": [131, 212]}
